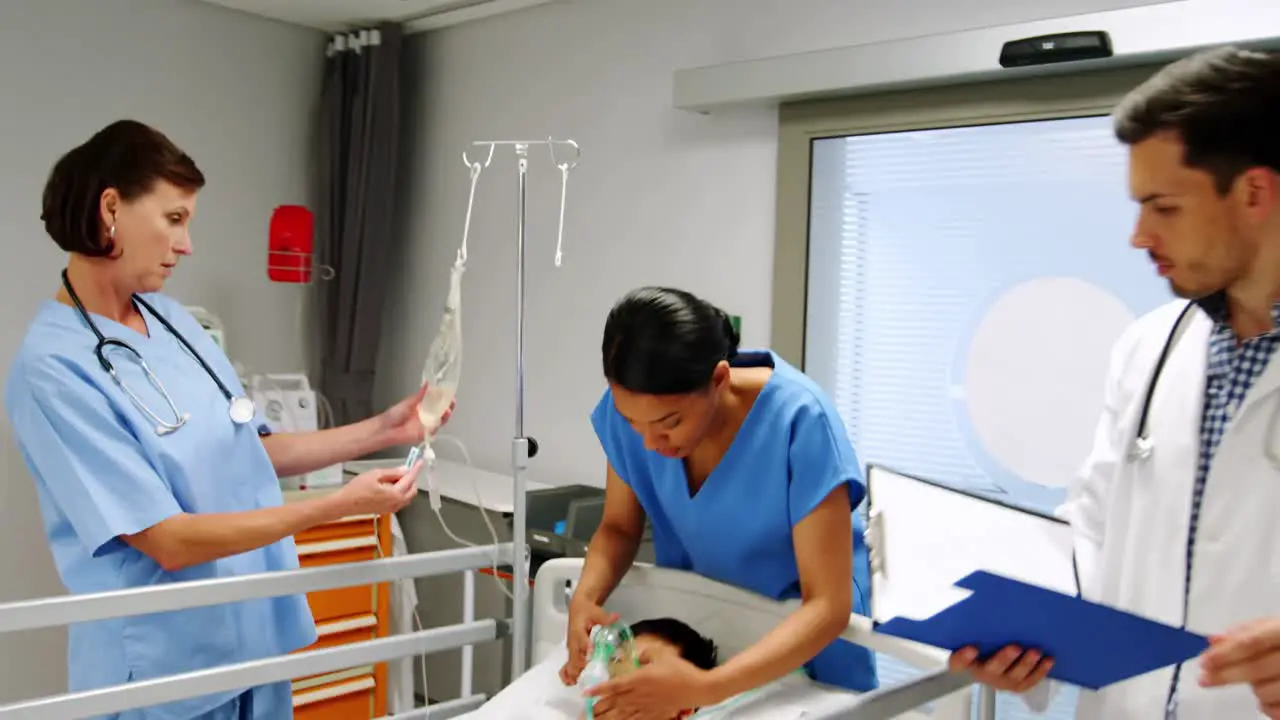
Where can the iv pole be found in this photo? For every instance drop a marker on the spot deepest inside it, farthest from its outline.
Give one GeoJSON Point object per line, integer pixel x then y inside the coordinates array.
{"type": "Point", "coordinates": [523, 448]}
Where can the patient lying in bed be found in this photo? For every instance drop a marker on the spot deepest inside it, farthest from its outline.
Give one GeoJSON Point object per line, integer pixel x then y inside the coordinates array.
{"type": "Point", "coordinates": [540, 695]}
{"type": "Point", "coordinates": [665, 637]}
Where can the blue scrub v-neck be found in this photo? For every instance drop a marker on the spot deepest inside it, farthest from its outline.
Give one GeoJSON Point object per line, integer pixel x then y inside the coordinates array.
{"type": "Point", "coordinates": [733, 455]}
{"type": "Point", "coordinates": [790, 453]}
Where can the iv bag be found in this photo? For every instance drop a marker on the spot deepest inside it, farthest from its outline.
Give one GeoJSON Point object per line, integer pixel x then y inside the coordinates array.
{"type": "Point", "coordinates": [443, 368]}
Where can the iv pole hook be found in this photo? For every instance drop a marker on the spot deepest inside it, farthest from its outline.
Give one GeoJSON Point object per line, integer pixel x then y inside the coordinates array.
{"type": "Point", "coordinates": [475, 168]}
{"type": "Point", "coordinates": [564, 168]}
{"type": "Point", "coordinates": [577, 153]}
{"type": "Point", "coordinates": [467, 160]}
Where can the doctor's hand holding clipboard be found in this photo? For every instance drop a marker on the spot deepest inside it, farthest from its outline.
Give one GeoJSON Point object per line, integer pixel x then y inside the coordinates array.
{"type": "Point", "coordinates": [1174, 516]}
{"type": "Point", "coordinates": [1012, 669]}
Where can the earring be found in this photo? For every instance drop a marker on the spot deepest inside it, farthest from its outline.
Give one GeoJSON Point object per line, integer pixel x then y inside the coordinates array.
{"type": "Point", "coordinates": [111, 234]}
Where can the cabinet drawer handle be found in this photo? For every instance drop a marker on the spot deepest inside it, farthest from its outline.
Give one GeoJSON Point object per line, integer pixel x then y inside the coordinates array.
{"type": "Point", "coordinates": [328, 546]}
{"type": "Point", "coordinates": [341, 626]}
{"type": "Point", "coordinates": [332, 691]}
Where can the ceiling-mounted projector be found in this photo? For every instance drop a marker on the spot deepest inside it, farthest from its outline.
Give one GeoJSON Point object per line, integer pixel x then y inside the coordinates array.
{"type": "Point", "coordinates": [1061, 47]}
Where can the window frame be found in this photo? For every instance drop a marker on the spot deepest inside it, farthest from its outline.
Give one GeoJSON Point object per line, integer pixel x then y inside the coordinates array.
{"type": "Point", "coordinates": [801, 123]}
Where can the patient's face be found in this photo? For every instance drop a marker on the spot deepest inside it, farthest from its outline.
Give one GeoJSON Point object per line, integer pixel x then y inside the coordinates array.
{"type": "Point", "coordinates": [651, 648]}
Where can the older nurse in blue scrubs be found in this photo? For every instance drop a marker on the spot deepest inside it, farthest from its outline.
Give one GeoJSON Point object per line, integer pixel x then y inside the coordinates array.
{"type": "Point", "coordinates": [155, 473]}
{"type": "Point", "coordinates": [745, 471]}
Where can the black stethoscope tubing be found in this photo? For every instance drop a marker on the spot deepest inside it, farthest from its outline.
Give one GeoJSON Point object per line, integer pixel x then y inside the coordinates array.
{"type": "Point", "coordinates": [1141, 442]}
{"type": "Point", "coordinates": [105, 342]}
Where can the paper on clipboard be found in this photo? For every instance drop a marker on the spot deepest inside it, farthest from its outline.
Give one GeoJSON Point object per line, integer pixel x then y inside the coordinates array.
{"type": "Point", "coordinates": [952, 570]}
{"type": "Point", "coordinates": [926, 537]}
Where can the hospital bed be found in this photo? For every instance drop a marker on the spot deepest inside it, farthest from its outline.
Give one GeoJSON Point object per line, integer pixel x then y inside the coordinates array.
{"type": "Point", "coordinates": [734, 619]}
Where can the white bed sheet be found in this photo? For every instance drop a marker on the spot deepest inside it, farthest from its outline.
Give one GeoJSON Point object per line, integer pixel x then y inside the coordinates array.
{"type": "Point", "coordinates": [734, 618]}
{"type": "Point", "coordinates": [539, 695]}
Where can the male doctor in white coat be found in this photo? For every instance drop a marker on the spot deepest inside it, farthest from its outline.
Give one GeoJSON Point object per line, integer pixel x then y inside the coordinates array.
{"type": "Point", "coordinates": [1186, 528]}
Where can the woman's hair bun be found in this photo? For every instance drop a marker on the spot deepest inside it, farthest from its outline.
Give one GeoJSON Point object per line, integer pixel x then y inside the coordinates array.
{"type": "Point", "coordinates": [731, 335]}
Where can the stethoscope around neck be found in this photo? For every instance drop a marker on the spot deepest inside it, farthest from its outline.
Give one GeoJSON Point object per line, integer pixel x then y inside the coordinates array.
{"type": "Point", "coordinates": [241, 409]}
{"type": "Point", "coordinates": [1142, 447]}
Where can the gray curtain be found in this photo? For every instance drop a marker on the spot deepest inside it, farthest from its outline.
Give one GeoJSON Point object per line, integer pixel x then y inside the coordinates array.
{"type": "Point", "coordinates": [359, 136]}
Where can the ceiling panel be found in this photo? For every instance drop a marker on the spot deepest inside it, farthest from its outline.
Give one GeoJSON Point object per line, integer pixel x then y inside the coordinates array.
{"type": "Point", "coordinates": [333, 15]}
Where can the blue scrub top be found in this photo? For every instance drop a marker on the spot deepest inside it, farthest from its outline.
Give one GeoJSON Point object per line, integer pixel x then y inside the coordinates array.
{"type": "Point", "coordinates": [790, 453]}
{"type": "Point", "coordinates": [101, 471]}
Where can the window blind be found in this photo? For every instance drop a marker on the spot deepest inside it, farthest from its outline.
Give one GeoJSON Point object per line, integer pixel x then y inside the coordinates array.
{"type": "Point", "coordinates": [919, 245]}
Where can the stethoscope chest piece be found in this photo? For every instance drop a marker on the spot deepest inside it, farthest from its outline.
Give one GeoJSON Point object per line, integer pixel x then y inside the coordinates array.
{"type": "Point", "coordinates": [241, 410]}
{"type": "Point", "coordinates": [1141, 449]}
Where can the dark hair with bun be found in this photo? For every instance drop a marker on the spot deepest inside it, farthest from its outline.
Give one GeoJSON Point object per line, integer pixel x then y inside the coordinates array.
{"type": "Point", "coordinates": [663, 341]}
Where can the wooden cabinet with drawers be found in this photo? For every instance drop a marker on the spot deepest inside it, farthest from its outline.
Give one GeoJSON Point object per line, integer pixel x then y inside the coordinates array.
{"type": "Point", "coordinates": [345, 615]}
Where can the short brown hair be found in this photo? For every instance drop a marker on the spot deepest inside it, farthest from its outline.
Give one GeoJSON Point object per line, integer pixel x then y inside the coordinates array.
{"type": "Point", "coordinates": [126, 155]}
{"type": "Point", "coordinates": [1224, 104]}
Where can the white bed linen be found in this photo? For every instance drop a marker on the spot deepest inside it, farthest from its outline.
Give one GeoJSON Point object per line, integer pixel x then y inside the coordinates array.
{"type": "Point", "coordinates": [734, 618]}
{"type": "Point", "coordinates": [539, 695]}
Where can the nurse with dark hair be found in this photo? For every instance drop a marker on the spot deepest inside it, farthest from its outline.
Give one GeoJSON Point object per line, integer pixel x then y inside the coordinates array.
{"type": "Point", "coordinates": [745, 472]}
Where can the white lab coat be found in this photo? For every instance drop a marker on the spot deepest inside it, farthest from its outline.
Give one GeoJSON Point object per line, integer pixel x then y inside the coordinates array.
{"type": "Point", "coordinates": [1130, 518]}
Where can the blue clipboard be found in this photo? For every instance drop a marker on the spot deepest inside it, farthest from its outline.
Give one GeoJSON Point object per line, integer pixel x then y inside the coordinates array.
{"type": "Point", "coordinates": [1092, 645]}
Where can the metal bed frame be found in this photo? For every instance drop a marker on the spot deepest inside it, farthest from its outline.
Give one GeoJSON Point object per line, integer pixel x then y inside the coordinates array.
{"type": "Point", "coordinates": [881, 704]}
{"type": "Point", "coordinates": [65, 610]}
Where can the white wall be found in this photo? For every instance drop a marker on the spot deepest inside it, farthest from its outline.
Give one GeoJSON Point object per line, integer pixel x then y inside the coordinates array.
{"type": "Point", "coordinates": [235, 91]}
{"type": "Point", "coordinates": [661, 196]}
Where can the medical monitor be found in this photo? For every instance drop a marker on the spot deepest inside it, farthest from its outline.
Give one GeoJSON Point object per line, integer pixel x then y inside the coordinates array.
{"type": "Point", "coordinates": [926, 536]}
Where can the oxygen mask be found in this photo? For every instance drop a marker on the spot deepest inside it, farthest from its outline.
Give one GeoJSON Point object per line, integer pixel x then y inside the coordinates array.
{"type": "Point", "coordinates": [612, 654]}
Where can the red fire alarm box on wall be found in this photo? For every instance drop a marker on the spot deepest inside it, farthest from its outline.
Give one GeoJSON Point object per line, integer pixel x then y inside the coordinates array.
{"type": "Point", "coordinates": [290, 247]}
